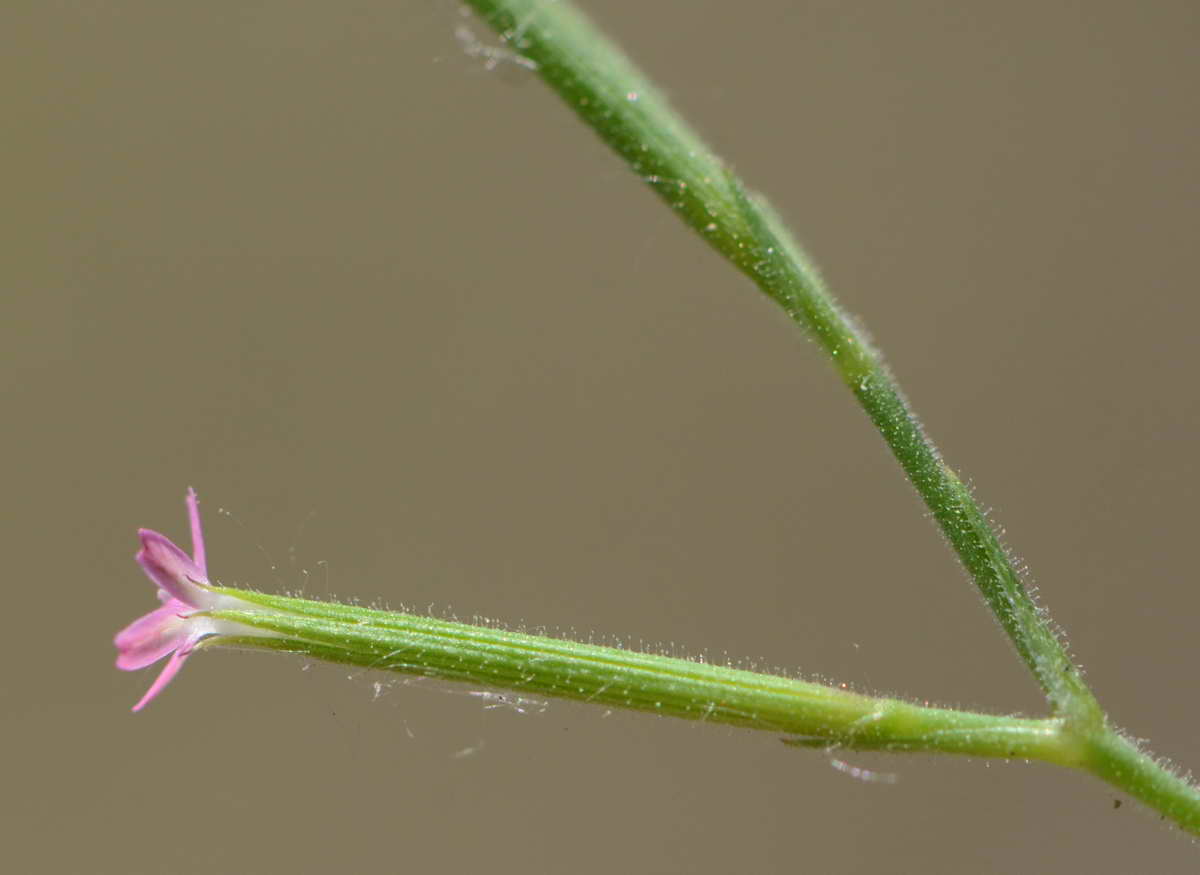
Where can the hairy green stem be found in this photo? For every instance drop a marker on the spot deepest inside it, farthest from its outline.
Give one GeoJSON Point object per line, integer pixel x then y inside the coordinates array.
{"type": "Point", "coordinates": [1112, 757]}
{"type": "Point", "coordinates": [810, 714]}
{"type": "Point", "coordinates": [807, 714]}
{"type": "Point", "coordinates": [596, 80]}
{"type": "Point", "coordinates": [616, 100]}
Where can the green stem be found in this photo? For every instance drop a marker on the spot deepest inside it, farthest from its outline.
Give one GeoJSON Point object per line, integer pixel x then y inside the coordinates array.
{"type": "Point", "coordinates": [812, 715]}
{"type": "Point", "coordinates": [617, 101]}
{"type": "Point", "coordinates": [1112, 757]}
{"type": "Point", "coordinates": [807, 714]}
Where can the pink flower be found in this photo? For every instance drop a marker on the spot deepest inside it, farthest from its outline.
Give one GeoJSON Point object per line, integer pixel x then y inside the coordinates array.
{"type": "Point", "coordinates": [176, 627]}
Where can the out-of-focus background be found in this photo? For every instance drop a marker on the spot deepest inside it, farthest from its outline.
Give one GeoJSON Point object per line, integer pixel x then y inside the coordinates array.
{"type": "Point", "coordinates": [418, 338]}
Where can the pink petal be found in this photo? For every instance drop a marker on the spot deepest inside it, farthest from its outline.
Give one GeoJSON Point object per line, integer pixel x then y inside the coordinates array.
{"type": "Point", "coordinates": [148, 639]}
{"type": "Point", "coordinates": [170, 567]}
{"type": "Point", "coordinates": [193, 506]}
{"type": "Point", "coordinates": [164, 677]}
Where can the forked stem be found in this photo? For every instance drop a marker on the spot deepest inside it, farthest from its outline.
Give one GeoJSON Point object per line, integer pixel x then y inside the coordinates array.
{"type": "Point", "coordinates": [601, 85]}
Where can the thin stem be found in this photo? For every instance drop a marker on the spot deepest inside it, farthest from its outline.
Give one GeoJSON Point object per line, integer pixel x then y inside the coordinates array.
{"type": "Point", "coordinates": [1112, 757]}
{"type": "Point", "coordinates": [617, 101]}
{"type": "Point", "coordinates": [812, 715]}
{"type": "Point", "coordinates": [807, 714]}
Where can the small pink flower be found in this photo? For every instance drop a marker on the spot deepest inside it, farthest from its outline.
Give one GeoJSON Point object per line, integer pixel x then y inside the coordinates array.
{"type": "Point", "coordinates": [183, 588]}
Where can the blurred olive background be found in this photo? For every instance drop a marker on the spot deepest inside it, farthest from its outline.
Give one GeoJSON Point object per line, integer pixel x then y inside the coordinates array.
{"type": "Point", "coordinates": [417, 338]}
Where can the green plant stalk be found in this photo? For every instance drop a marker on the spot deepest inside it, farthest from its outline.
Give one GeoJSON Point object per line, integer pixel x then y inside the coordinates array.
{"type": "Point", "coordinates": [596, 80]}
{"type": "Point", "coordinates": [813, 715]}
{"type": "Point", "coordinates": [617, 101]}
{"type": "Point", "coordinates": [807, 714]}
